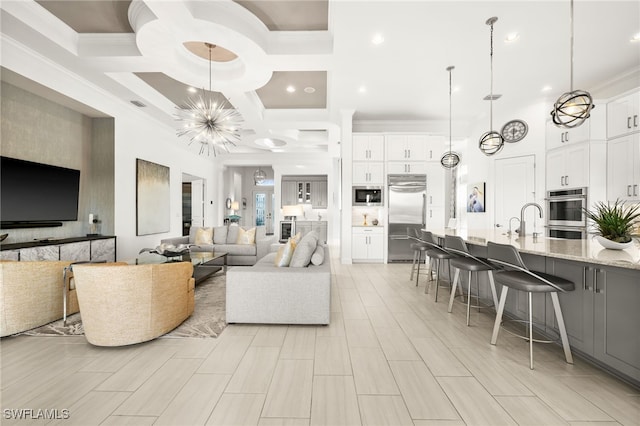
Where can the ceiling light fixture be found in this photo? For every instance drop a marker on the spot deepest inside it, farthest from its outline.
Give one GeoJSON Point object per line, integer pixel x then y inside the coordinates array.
{"type": "Point", "coordinates": [362, 89]}
{"type": "Point", "coordinates": [291, 89]}
{"type": "Point", "coordinates": [259, 176]}
{"type": "Point", "coordinates": [209, 120]}
{"type": "Point", "coordinates": [546, 88]}
{"type": "Point", "coordinates": [491, 142]}
{"type": "Point", "coordinates": [510, 38]}
{"type": "Point", "coordinates": [636, 37]}
{"type": "Point", "coordinates": [450, 159]}
{"type": "Point", "coordinates": [309, 89]}
{"type": "Point", "coordinates": [377, 39]}
{"type": "Point", "coordinates": [574, 107]}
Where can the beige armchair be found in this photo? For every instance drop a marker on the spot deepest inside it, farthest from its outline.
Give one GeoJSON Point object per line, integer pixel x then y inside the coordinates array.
{"type": "Point", "coordinates": [127, 304]}
{"type": "Point", "coordinates": [31, 294]}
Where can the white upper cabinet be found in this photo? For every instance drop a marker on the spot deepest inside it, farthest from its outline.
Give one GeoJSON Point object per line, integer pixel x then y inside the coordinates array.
{"type": "Point", "coordinates": [594, 128]}
{"type": "Point", "coordinates": [406, 147]}
{"type": "Point", "coordinates": [368, 147]}
{"type": "Point", "coordinates": [623, 168]}
{"type": "Point", "coordinates": [568, 167]}
{"type": "Point", "coordinates": [623, 115]}
{"type": "Point", "coordinates": [368, 173]}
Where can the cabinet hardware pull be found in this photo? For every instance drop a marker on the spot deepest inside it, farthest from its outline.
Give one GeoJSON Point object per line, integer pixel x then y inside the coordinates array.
{"type": "Point", "coordinates": [635, 120]}
{"type": "Point", "coordinates": [430, 154]}
{"type": "Point", "coordinates": [562, 137]}
{"type": "Point", "coordinates": [409, 168]}
{"type": "Point", "coordinates": [628, 190]}
{"type": "Point", "coordinates": [430, 213]}
{"type": "Point", "coordinates": [409, 154]}
{"type": "Point", "coordinates": [628, 122]}
{"type": "Point", "coordinates": [561, 180]}
{"type": "Point", "coordinates": [566, 138]}
{"type": "Point", "coordinates": [635, 190]}
{"type": "Point", "coordinates": [430, 199]}
{"type": "Point", "coordinates": [566, 180]}
{"type": "Point", "coordinates": [595, 287]}
{"type": "Point", "coordinates": [584, 278]}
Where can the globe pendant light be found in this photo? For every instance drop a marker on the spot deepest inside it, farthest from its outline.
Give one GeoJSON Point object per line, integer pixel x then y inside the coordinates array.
{"type": "Point", "coordinates": [574, 107]}
{"type": "Point", "coordinates": [450, 159]}
{"type": "Point", "coordinates": [259, 176]}
{"type": "Point", "coordinates": [210, 120]}
{"type": "Point", "coordinates": [491, 142]}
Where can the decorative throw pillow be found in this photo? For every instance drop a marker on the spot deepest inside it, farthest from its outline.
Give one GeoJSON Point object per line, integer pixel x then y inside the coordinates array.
{"type": "Point", "coordinates": [204, 236]}
{"type": "Point", "coordinates": [220, 235]}
{"type": "Point", "coordinates": [246, 236]}
{"type": "Point", "coordinates": [285, 253]}
{"type": "Point", "coordinates": [317, 258]}
{"type": "Point", "coordinates": [304, 250]}
{"type": "Point", "coordinates": [232, 233]}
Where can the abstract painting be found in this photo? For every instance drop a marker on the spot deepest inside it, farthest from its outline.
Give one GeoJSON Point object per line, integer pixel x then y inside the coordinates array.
{"type": "Point", "coordinates": [476, 198]}
{"type": "Point", "coordinates": [152, 198]}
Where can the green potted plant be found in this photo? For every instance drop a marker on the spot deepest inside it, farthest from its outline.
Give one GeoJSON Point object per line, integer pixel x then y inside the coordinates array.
{"type": "Point", "coordinates": [614, 223]}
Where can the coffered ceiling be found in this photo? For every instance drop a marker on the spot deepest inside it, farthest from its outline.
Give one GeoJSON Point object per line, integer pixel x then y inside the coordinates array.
{"type": "Point", "coordinates": [291, 67]}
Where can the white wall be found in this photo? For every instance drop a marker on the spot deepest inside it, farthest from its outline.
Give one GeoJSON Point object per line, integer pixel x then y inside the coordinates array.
{"type": "Point", "coordinates": [136, 136]}
{"type": "Point", "coordinates": [477, 167]}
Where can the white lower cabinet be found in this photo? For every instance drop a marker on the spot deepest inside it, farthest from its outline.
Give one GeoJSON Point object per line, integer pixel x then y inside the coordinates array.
{"type": "Point", "coordinates": [367, 244]}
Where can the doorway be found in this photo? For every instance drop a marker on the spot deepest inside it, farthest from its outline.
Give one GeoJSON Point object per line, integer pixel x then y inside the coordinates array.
{"type": "Point", "coordinates": [515, 186]}
{"type": "Point", "coordinates": [263, 214]}
{"type": "Point", "coordinates": [192, 202]}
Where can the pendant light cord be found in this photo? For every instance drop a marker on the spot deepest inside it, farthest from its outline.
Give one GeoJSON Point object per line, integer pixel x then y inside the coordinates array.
{"type": "Point", "coordinates": [491, 89]}
{"type": "Point", "coordinates": [209, 67]}
{"type": "Point", "coordinates": [571, 43]}
{"type": "Point", "coordinates": [450, 68]}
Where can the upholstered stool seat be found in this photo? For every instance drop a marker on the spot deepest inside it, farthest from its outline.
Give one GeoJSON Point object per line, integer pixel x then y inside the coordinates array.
{"type": "Point", "coordinates": [472, 264]}
{"type": "Point", "coordinates": [518, 277]}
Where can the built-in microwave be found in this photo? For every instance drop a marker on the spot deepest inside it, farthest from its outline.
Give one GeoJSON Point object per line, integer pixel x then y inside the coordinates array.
{"type": "Point", "coordinates": [367, 196]}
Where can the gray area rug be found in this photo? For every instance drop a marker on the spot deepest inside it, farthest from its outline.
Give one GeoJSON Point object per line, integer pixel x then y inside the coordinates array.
{"type": "Point", "coordinates": [207, 320]}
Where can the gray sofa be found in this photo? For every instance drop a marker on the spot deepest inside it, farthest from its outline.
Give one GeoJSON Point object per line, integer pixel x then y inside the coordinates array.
{"type": "Point", "coordinates": [267, 294]}
{"type": "Point", "coordinates": [224, 240]}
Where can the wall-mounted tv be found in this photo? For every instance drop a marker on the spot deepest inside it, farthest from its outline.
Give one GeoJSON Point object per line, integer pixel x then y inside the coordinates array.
{"type": "Point", "coordinates": [35, 193]}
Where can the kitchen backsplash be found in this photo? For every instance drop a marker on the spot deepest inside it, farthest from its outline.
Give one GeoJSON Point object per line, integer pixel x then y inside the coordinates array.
{"type": "Point", "coordinates": [373, 213]}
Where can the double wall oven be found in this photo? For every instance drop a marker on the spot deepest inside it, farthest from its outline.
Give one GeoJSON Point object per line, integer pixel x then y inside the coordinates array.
{"type": "Point", "coordinates": [565, 213]}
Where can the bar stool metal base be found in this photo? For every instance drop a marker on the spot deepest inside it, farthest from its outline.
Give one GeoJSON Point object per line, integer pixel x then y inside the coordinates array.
{"type": "Point", "coordinates": [469, 305]}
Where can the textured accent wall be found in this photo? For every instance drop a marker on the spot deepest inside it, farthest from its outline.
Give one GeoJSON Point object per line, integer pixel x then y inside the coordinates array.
{"type": "Point", "coordinates": [35, 129]}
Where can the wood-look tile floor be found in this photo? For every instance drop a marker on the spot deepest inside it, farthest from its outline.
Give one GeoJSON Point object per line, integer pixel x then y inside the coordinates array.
{"type": "Point", "coordinates": [391, 356]}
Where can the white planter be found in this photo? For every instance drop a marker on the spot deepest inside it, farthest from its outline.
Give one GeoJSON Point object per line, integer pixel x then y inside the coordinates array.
{"type": "Point", "coordinates": [608, 244]}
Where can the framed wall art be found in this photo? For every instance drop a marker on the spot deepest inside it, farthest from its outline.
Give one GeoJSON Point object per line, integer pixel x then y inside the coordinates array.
{"type": "Point", "coordinates": [476, 197]}
{"type": "Point", "coordinates": [152, 198]}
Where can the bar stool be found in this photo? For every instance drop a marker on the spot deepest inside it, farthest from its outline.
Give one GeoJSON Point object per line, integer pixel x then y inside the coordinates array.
{"type": "Point", "coordinates": [419, 247]}
{"type": "Point", "coordinates": [517, 276]}
{"type": "Point", "coordinates": [439, 254]}
{"type": "Point", "coordinates": [467, 262]}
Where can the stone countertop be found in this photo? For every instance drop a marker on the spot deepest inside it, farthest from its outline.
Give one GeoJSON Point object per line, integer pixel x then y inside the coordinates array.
{"type": "Point", "coordinates": [586, 250]}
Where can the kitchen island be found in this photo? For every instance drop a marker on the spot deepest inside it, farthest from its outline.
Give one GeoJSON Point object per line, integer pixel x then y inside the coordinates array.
{"type": "Point", "coordinates": [602, 314]}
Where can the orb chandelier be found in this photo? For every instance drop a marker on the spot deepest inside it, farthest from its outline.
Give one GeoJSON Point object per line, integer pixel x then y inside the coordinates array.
{"type": "Point", "coordinates": [491, 142]}
{"type": "Point", "coordinates": [259, 176]}
{"type": "Point", "coordinates": [209, 120]}
{"type": "Point", "coordinates": [450, 159]}
{"type": "Point", "coordinates": [573, 107]}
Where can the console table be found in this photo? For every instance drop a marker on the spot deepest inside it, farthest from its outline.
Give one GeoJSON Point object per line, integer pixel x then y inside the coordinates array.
{"type": "Point", "coordinates": [80, 249]}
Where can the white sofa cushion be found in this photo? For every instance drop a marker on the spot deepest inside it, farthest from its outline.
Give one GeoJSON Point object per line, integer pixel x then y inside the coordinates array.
{"type": "Point", "coordinates": [220, 235]}
{"type": "Point", "coordinates": [304, 250]}
{"type": "Point", "coordinates": [317, 258]}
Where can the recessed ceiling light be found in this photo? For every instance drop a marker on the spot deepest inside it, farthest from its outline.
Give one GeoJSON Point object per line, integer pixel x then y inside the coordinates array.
{"type": "Point", "coordinates": [456, 89]}
{"type": "Point", "coordinates": [309, 89]}
{"type": "Point", "coordinates": [636, 37]}
{"type": "Point", "coordinates": [299, 166]}
{"type": "Point", "coordinates": [362, 89]}
{"type": "Point", "coordinates": [291, 89]}
{"type": "Point", "coordinates": [192, 90]}
{"type": "Point", "coordinates": [377, 39]}
{"type": "Point", "coordinates": [546, 88]}
{"type": "Point", "coordinates": [510, 38]}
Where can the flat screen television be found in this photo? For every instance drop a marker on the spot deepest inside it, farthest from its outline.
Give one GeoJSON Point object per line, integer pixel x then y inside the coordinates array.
{"type": "Point", "coordinates": [35, 193]}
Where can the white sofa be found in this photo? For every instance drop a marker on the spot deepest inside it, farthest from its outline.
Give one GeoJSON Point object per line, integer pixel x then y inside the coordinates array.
{"type": "Point", "coordinates": [224, 240]}
{"type": "Point", "coordinates": [267, 294]}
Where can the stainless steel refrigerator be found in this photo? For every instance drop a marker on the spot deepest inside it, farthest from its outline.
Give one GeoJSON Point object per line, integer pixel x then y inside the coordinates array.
{"type": "Point", "coordinates": [407, 209]}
